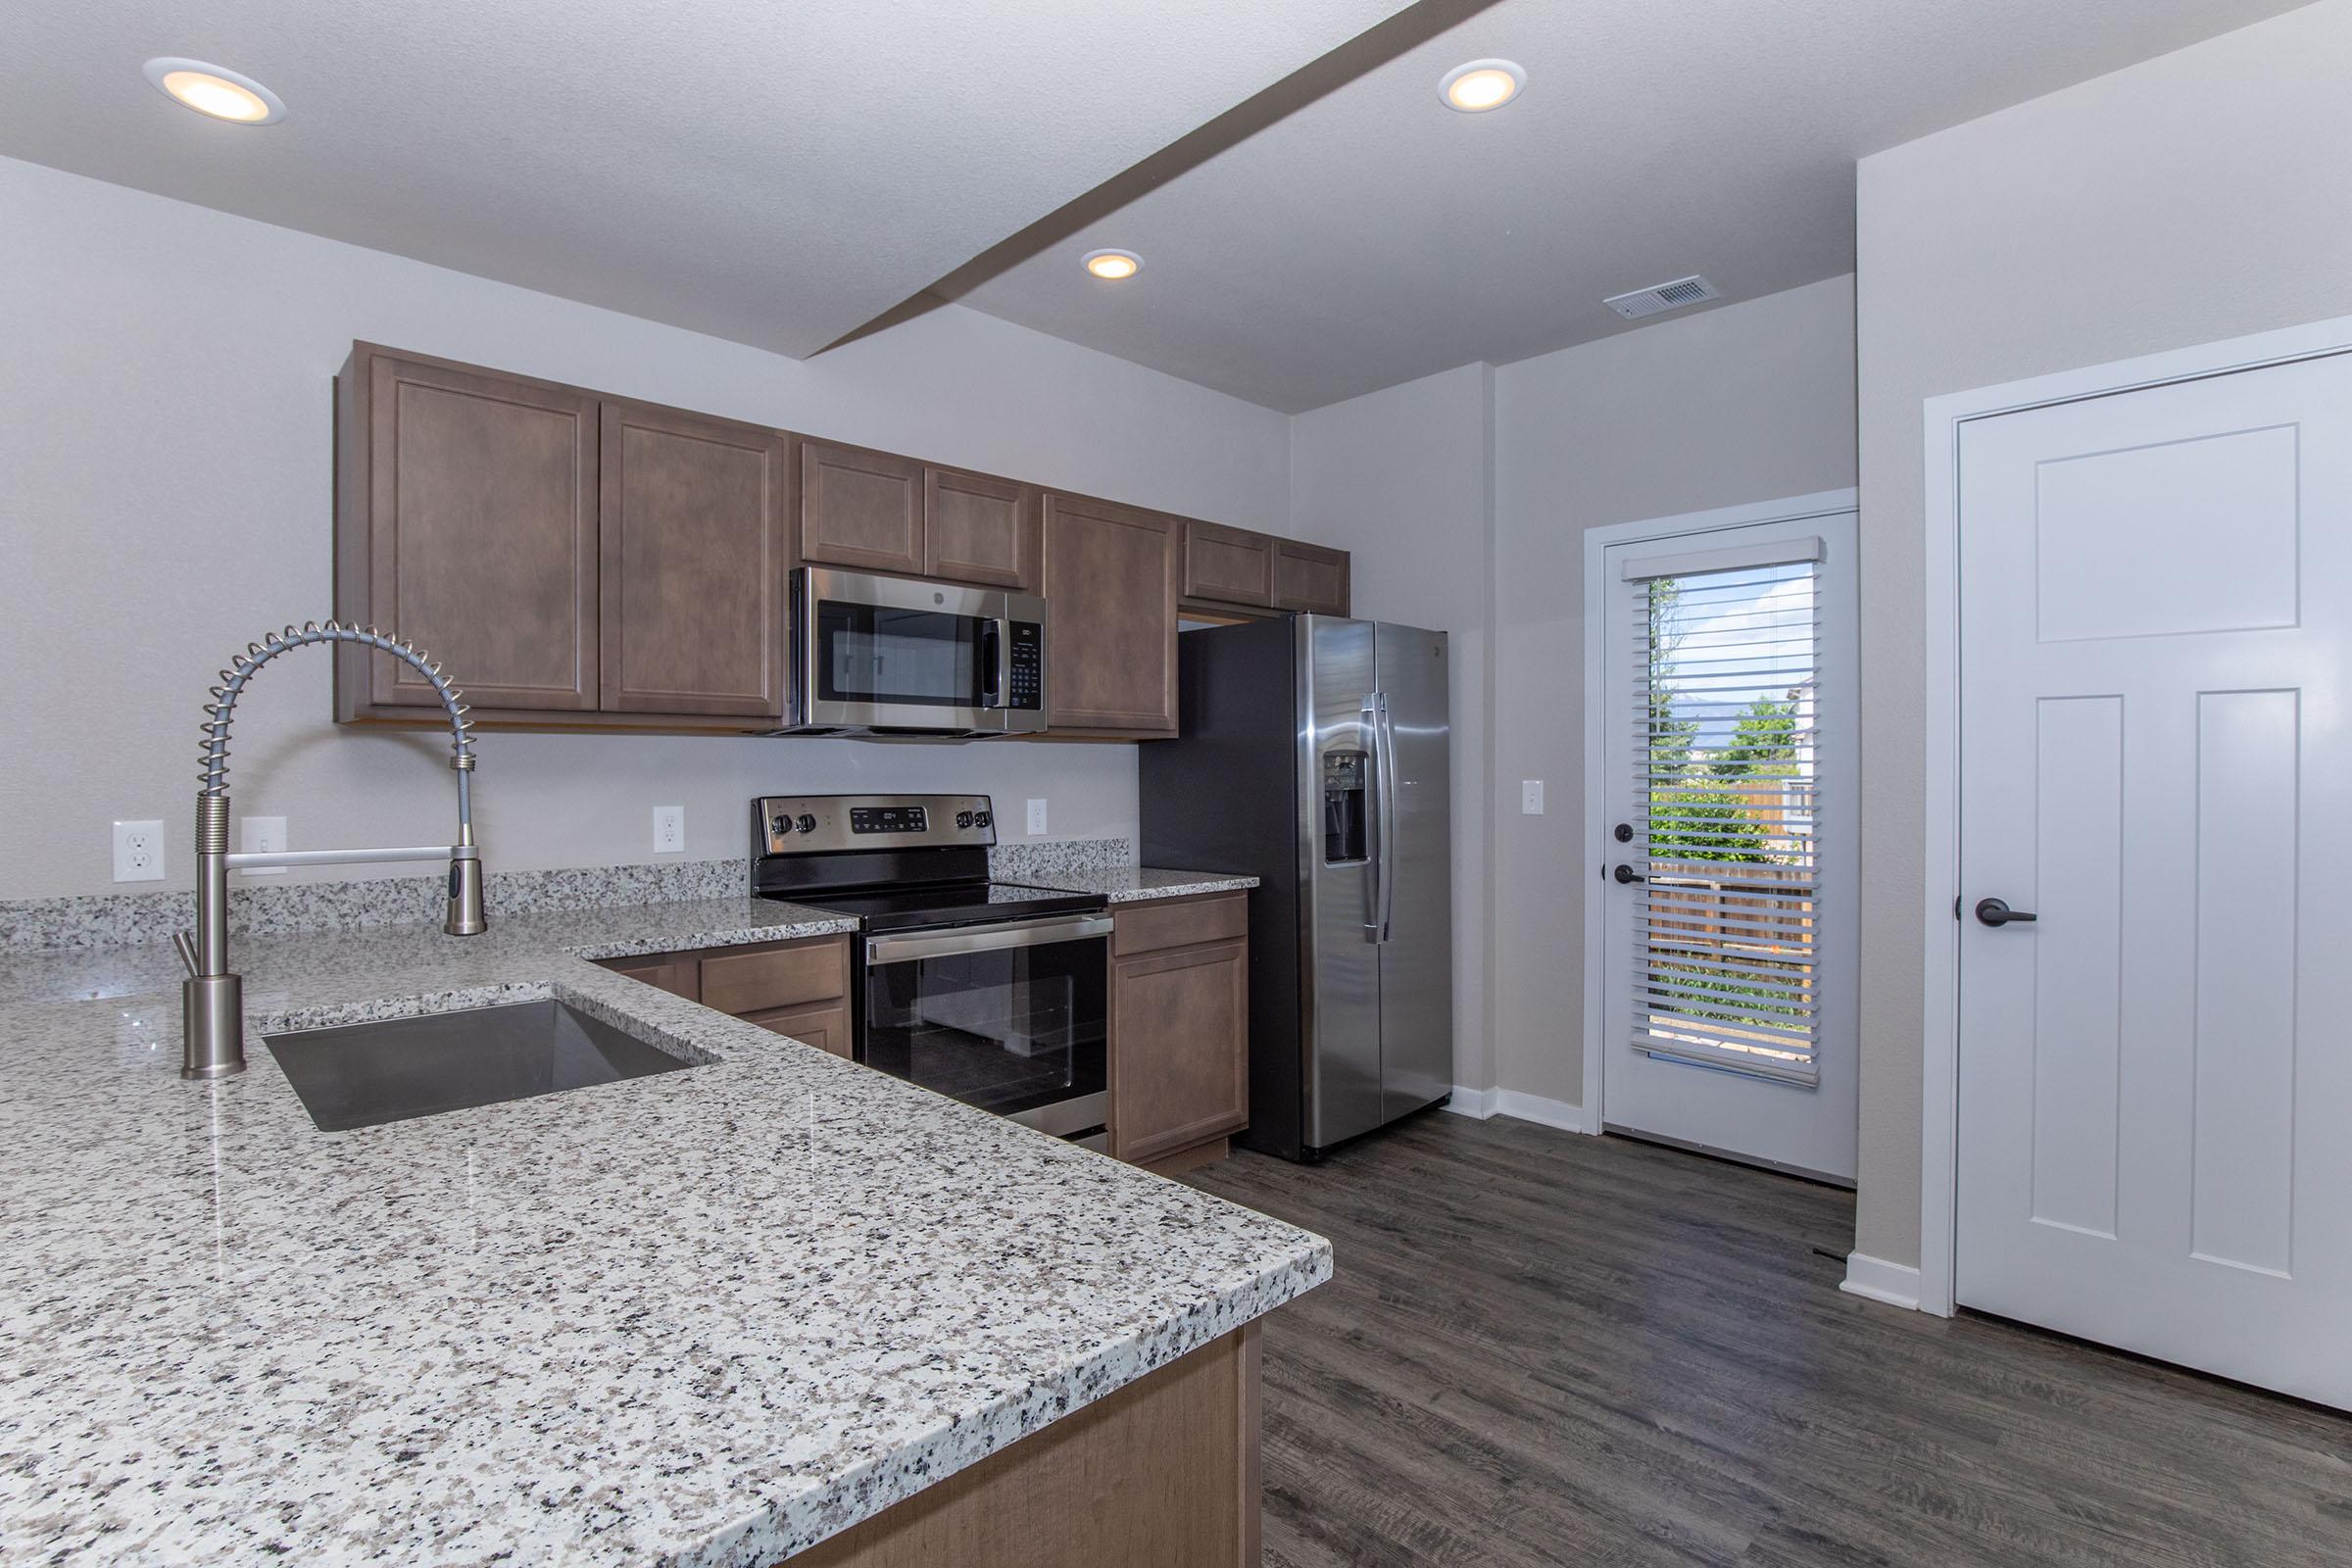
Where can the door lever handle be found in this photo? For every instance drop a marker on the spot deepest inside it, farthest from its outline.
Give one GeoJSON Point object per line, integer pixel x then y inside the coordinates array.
{"type": "Point", "coordinates": [1626, 873]}
{"type": "Point", "coordinates": [1996, 913]}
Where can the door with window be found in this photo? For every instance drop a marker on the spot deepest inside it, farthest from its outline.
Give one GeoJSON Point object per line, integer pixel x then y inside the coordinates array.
{"type": "Point", "coordinates": [2155, 779]}
{"type": "Point", "coordinates": [1729, 842]}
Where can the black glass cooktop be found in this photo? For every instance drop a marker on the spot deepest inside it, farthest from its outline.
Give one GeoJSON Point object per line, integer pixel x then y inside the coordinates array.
{"type": "Point", "coordinates": [914, 909]}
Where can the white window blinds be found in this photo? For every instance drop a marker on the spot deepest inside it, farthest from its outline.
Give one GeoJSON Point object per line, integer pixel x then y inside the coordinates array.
{"type": "Point", "coordinates": [1726, 951]}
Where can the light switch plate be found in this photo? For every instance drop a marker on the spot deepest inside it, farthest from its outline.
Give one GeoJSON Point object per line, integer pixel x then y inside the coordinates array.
{"type": "Point", "coordinates": [1037, 818]}
{"type": "Point", "coordinates": [1531, 796]}
{"type": "Point", "coordinates": [669, 830]}
{"type": "Point", "coordinates": [138, 852]}
{"type": "Point", "coordinates": [263, 835]}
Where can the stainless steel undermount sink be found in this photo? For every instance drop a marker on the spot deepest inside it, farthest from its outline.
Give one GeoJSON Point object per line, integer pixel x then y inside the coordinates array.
{"type": "Point", "coordinates": [366, 1074]}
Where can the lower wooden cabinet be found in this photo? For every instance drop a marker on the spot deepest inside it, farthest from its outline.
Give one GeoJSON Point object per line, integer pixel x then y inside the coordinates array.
{"type": "Point", "coordinates": [1179, 1026]}
{"type": "Point", "coordinates": [798, 988]}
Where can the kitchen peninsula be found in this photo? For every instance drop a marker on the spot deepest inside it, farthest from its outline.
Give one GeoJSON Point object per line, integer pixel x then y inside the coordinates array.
{"type": "Point", "coordinates": [775, 1304]}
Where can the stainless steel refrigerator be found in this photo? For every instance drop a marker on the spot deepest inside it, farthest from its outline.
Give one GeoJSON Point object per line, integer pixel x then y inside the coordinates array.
{"type": "Point", "coordinates": [1313, 756]}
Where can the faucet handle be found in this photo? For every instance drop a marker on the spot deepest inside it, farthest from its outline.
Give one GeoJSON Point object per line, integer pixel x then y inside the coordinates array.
{"type": "Point", "coordinates": [187, 945]}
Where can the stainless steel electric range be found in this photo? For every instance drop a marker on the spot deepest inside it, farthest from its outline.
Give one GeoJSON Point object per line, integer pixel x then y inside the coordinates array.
{"type": "Point", "coordinates": [995, 993]}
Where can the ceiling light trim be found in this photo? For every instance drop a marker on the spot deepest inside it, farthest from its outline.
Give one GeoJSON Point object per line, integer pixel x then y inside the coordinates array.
{"type": "Point", "coordinates": [163, 67]}
{"type": "Point", "coordinates": [1461, 89]}
{"type": "Point", "coordinates": [1111, 271]}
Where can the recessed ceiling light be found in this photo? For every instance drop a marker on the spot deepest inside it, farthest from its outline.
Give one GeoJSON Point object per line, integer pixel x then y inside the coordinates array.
{"type": "Point", "coordinates": [214, 90]}
{"type": "Point", "coordinates": [1481, 85]}
{"type": "Point", "coordinates": [1113, 264]}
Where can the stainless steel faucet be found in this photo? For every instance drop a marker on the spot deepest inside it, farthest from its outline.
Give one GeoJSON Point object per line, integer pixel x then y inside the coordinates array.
{"type": "Point", "coordinates": [212, 1000]}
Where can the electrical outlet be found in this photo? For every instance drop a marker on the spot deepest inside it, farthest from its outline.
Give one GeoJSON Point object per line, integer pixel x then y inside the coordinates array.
{"type": "Point", "coordinates": [1037, 818]}
{"type": "Point", "coordinates": [669, 830]}
{"type": "Point", "coordinates": [1531, 796]}
{"type": "Point", "coordinates": [138, 852]}
{"type": "Point", "coordinates": [264, 835]}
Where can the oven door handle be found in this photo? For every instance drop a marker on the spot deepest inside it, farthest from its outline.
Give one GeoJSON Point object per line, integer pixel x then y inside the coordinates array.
{"type": "Point", "coordinates": [906, 949]}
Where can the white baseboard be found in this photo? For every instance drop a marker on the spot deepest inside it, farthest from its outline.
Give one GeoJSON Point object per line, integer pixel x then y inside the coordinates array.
{"type": "Point", "coordinates": [1478, 1102]}
{"type": "Point", "coordinates": [1485, 1102]}
{"type": "Point", "coordinates": [1535, 1108]}
{"type": "Point", "coordinates": [1896, 1283]}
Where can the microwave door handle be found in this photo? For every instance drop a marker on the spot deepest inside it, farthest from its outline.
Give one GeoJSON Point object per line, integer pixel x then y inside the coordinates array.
{"type": "Point", "coordinates": [993, 674]}
{"type": "Point", "coordinates": [1388, 816]}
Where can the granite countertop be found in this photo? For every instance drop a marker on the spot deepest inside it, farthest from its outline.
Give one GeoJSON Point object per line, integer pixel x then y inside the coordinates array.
{"type": "Point", "coordinates": [1130, 884]}
{"type": "Point", "coordinates": [705, 1317]}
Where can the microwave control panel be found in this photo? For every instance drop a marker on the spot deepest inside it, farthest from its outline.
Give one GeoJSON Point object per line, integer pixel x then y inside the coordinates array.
{"type": "Point", "coordinates": [1027, 685]}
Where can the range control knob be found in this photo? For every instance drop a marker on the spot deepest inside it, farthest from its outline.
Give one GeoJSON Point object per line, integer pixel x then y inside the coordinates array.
{"type": "Point", "coordinates": [780, 826]}
{"type": "Point", "coordinates": [807, 823]}
{"type": "Point", "coordinates": [963, 819]}
{"type": "Point", "coordinates": [981, 819]}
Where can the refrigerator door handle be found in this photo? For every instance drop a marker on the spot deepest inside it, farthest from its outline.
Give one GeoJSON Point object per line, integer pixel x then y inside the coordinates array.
{"type": "Point", "coordinates": [1387, 814]}
{"type": "Point", "coordinates": [1376, 852]}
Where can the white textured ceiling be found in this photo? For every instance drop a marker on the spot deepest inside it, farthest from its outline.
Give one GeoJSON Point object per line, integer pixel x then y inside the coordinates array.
{"type": "Point", "coordinates": [1375, 235]}
{"type": "Point", "coordinates": [776, 172]}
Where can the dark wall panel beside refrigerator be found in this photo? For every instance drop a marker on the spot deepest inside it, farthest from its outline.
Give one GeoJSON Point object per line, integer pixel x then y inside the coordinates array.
{"type": "Point", "coordinates": [1314, 756]}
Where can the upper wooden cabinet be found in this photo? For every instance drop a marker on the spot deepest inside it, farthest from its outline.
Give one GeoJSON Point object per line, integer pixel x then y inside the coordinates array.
{"type": "Point", "coordinates": [860, 509]}
{"type": "Point", "coordinates": [1230, 565]}
{"type": "Point", "coordinates": [695, 563]}
{"type": "Point", "coordinates": [1111, 575]}
{"type": "Point", "coordinates": [981, 531]}
{"type": "Point", "coordinates": [1311, 578]}
{"type": "Point", "coordinates": [876, 511]}
{"type": "Point", "coordinates": [467, 525]}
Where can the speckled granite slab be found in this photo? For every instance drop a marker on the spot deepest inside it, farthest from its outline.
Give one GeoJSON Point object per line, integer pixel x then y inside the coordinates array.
{"type": "Point", "coordinates": [702, 1318]}
{"type": "Point", "coordinates": [1134, 884]}
{"type": "Point", "coordinates": [1042, 863]}
{"type": "Point", "coordinates": [109, 919]}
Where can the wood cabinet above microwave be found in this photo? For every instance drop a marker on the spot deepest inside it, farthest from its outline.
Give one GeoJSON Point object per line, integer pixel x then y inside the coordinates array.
{"type": "Point", "coordinates": [877, 511]}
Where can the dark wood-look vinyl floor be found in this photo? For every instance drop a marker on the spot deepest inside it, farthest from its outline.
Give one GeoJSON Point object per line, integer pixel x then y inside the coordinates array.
{"type": "Point", "coordinates": [1543, 1348]}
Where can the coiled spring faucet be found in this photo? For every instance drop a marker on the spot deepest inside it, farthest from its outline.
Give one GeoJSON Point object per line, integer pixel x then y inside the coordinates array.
{"type": "Point", "coordinates": [212, 998]}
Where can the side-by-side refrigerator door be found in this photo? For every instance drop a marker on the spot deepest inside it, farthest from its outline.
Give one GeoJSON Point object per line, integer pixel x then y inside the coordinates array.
{"type": "Point", "coordinates": [1416, 865]}
{"type": "Point", "coordinates": [1340, 986]}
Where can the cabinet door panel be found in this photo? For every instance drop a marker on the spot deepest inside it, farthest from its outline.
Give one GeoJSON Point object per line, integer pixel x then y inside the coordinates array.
{"type": "Point", "coordinates": [1111, 576]}
{"type": "Point", "coordinates": [1179, 1049]}
{"type": "Point", "coordinates": [1311, 578]}
{"type": "Point", "coordinates": [694, 518]}
{"type": "Point", "coordinates": [860, 509]}
{"type": "Point", "coordinates": [980, 531]}
{"type": "Point", "coordinates": [1229, 565]}
{"type": "Point", "coordinates": [826, 1027]}
{"type": "Point", "coordinates": [483, 537]}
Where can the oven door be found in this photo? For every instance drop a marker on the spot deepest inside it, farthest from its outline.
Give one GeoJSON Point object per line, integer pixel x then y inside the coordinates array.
{"type": "Point", "coordinates": [1011, 1017]}
{"type": "Point", "coordinates": [894, 653]}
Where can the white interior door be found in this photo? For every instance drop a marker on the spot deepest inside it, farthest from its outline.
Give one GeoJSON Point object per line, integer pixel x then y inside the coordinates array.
{"type": "Point", "coordinates": [1729, 842]}
{"type": "Point", "coordinates": [2155, 1092]}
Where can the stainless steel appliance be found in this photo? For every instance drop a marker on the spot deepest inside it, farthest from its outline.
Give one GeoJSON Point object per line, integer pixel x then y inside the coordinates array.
{"type": "Point", "coordinates": [995, 993]}
{"type": "Point", "coordinates": [897, 655]}
{"type": "Point", "coordinates": [1314, 758]}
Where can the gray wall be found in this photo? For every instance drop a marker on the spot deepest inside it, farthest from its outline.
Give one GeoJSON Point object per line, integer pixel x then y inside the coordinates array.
{"type": "Point", "coordinates": [1749, 401]}
{"type": "Point", "coordinates": [1403, 477]}
{"type": "Point", "coordinates": [164, 437]}
{"type": "Point", "coordinates": [2198, 196]}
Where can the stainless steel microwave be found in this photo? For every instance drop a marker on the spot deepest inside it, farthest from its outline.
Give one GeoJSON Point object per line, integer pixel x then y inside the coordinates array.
{"type": "Point", "coordinates": [898, 655]}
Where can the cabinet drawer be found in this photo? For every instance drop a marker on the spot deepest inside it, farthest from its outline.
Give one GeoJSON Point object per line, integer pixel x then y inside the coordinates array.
{"type": "Point", "coordinates": [1179, 922]}
{"type": "Point", "coordinates": [674, 972]}
{"type": "Point", "coordinates": [748, 980]}
{"type": "Point", "coordinates": [826, 1027]}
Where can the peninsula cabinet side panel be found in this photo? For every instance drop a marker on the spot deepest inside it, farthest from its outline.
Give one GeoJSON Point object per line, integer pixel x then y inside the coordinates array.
{"type": "Point", "coordinates": [1161, 1474]}
{"type": "Point", "coordinates": [694, 513]}
{"type": "Point", "coordinates": [469, 529]}
{"type": "Point", "coordinates": [1111, 575]}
